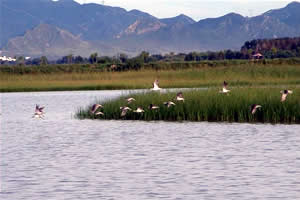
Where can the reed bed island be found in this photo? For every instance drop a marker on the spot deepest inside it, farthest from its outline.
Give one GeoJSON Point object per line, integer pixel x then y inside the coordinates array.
{"type": "Point", "coordinates": [203, 105]}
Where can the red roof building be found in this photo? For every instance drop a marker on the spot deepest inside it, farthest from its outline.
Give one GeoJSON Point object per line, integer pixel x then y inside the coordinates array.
{"type": "Point", "coordinates": [257, 56]}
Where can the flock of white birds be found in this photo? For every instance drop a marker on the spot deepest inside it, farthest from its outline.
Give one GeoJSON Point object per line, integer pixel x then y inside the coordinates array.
{"type": "Point", "coordinates": [39, 113]}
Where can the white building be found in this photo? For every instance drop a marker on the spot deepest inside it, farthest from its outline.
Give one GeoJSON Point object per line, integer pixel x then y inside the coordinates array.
{"type": "Point", "coordinates": [9, 59]}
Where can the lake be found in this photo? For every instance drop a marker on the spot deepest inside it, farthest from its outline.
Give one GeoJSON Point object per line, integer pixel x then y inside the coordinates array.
{"type": "Point", "coordinates": [63, 158]}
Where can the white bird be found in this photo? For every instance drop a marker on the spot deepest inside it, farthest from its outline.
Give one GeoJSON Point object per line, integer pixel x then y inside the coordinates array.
{"type": "Point", "coordinates": [40, 116]}
{"type": "Point", "coordinates": [169, 104]}
{"type": "Point", "coordinates": [139, 110]}
{"type": "Point", "coordinates": [38, 113]}
{"type": "Point", "coordinates": [99, 113]}
{"type": "Point", "coordinates": [38, 109]}
{"type": "Point", "coordinates": [124, 110]}
{"type": "Point", "coordinates": [129, 100]}
{"type": "Point", "coordinates": [155, 86]}
{"type": "Point", "coordinates": [224, 90]}
{"type": "Point", "coordinates": [95, 107]}
{"type": "Point", "coordinates": [284, 94]}
{"type": "Point", "coordinates": [254, 108]}
{"type": "Point", "coordinates": [152, 107]}
{"type": "Point", "coordinates": [179, 96]}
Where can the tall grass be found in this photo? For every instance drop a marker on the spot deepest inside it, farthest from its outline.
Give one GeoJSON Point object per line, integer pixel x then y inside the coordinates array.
{"type": "Point", "coordinates": [244, 75]}
{"type": "Point", "coordinates": [207, 105]}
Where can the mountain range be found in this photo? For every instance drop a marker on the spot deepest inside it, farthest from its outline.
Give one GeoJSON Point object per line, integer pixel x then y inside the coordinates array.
{"type": "Point", "coordinates": [57, 28]}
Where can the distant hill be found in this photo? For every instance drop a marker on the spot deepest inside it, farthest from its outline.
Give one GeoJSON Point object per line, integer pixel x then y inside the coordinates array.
{"type": "Point", "coordinates": [178, 21]}
{"type": "Point", "coordinates": [232, 30]}
{"type": "Point", "coordinates": [49, 40]}
{"type": "Point", "coordinates": [111, 30]}
{"type": "Point", "coordinates": [90, 21]}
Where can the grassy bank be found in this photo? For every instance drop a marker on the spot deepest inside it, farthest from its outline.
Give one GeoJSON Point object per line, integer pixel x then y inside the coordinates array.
{"type": "Point", "coordinates": [207, 105]}
{"type": "Point", "coordinates": [205, 76]}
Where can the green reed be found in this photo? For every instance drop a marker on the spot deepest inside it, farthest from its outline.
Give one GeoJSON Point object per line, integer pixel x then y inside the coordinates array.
{"type": "Point", "coordinates": [207, 105]}
{"type": "Point", "coordinates": [238, 75]}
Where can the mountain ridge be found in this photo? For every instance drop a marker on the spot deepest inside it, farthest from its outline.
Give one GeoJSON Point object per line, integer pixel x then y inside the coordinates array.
{"type": "Point", "coordinates": [104, 27]}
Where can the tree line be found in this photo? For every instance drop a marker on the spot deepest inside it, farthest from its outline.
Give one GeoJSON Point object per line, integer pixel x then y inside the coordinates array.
{"type": "Point", "coordinates": [274, 48]}
{"type": "Point", "coordinates": [269, 48]}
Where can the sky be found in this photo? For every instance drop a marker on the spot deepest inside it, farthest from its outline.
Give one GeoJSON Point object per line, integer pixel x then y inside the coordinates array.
{"type": "Point", "coordinates": [196, 9]}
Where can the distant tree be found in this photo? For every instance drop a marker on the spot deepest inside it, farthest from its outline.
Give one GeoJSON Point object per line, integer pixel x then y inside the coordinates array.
{"type": "Point", "coordinates": [43, 60]}
{"type": "Point", "coordinates": [212, 55]}
{"type": "Point", "coordinates": [63, 60]}
{"type": "Point", "coordinates": [115, 60]}
{"type": "Point", "coordinates": [21, 60]}
{"type": "Point", "coordinates": [93, 58]}
{"type": "Point", "coordinates": [192, 56]}
{"type": "Point", "coordinates": [298, 49]}
{"type": "Point", "coordinates": [36, 61]}
{"type": "Point", "coordinates": [134, 63]}
{"type": "Point", "coordinates": [238, 55]}
{"type": "Point", "coordinates": [221, 55]}
{"type": "Point", "coordinates": [144, 56]}
{"type": "Point", "coordinates": [104, 59]}
{"type": "Point", "coordinates": [123, 57]}
{"type": "Point", "coordinates": [69, 58]}
{"type": "Point", "coordinates": [229, 54]}
{"type": "Point", "coordinates": [285, 54]}
{"type": "Point", "coordinates": [155, 58]}
{"type": "Point", "coordinates": [274, 50]}
{"type": "Point", "coordinates": [78, 60]}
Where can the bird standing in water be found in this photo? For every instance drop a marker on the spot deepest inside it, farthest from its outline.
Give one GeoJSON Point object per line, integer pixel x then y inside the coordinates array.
{"type": "Point", "coordinates": [179, 96]}
{"type": "Point", "coordinates": [155, 86]}
{"type": "Point", "coordinates": [224, 90]}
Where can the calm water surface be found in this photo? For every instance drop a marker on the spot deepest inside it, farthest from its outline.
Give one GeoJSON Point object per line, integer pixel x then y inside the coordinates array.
{"type": "Point", "coordinates": [62, 158]}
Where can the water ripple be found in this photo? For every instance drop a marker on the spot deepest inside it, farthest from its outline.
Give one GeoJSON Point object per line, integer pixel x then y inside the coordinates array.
{"type": "Point", "coordinates": [63, 158]}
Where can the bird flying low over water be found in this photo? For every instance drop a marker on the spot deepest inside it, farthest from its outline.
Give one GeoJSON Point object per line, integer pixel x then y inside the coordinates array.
{"type": "Point", "coordinates": [169, 104]}
{"type": "Point", "coordinates": [139, 110]}
{"type": "Point", "coordinates": [224, 90]}
{"type": "Point", "coordinates": [99, 113]}
{"type": "Point", "coordinates": [155, 86]}
{"type": "Point", "coordinates": [179, 96]}
{"type": "Point", "coordinates": [152, 107]}
{"type": "Point", "coordinates": [284, 94]}
{"type": "Point", "coordinates": [95, 108]}
{"type": "Point", "coordinates": [129, 100]}
{"type": "Point", "coordinates": [38, 113]}
{"type": "Point", "coordinates": [35, 115]}
{"type": "Point", "coordinates": [254, 108]}
{"type": "Point", "coordinates": [124, 110]}
{"type": "Point", "coordinates": [39, 109]}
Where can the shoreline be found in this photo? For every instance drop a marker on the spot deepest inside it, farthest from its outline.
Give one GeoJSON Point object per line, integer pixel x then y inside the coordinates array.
{"type": "Point", "coordinates": [236, 75]}
{"type": "Point", "coordinates": [126, 88]}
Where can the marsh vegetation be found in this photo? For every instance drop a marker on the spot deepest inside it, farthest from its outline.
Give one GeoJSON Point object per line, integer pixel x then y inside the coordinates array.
{"type": "Point", "coordinates": [170, 75]}
{"type": "Point", "coordinates": [206, 105]}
